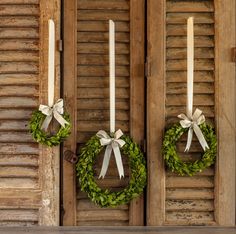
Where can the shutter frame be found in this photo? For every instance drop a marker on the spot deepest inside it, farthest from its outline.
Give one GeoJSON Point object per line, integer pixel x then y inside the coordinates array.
{"type": "Point", "coordinates": [225, 113]}
{"type": "Point", "coordinates": [50, 157]}
{"type": "Point", "coordinates": [30, 197]}
{"type": "Point", "coordinates": [70, 95]}
{"type": "Point", "coordinates": [92, 30]}
{"type": "Point", "coordinates": [224, 181]}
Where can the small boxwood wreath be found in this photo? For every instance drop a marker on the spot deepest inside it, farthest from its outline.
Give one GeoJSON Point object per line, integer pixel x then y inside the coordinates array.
{"type": "Point", "coordinates": [41, 136]}
{"type": "Point", "coordinates": [173, 160]}
{"type": "Point", "coordinates": [104, 197]}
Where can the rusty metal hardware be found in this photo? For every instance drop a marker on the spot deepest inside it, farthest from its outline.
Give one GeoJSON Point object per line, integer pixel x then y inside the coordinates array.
{"type": "Point", "coordinates": [71, 157]}
{"type": "Point", "coordinates": [147, 68]}
{"type": "Point", "coordinates": [60, 45]}
{"type": "Point", "coordinates": [234, 54]}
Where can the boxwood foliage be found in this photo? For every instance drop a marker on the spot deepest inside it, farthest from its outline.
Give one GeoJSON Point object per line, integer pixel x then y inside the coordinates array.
{"type": "Point", "coordinates": [43, 137]}
{"type": "Point", "coordinates": [172, 159]}
{"type": "Point", "coordinates": [105, 197]}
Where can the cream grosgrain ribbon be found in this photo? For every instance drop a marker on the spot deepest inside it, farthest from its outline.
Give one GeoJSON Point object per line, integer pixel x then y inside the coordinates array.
{"type": "Point", "coordinates": [193, 125]}
{"type": "Point", "coordinates": [113, 144]}
{"type": "Point", "coordinates": [192, 121]}
{"type": "Point", "coordinates": [52, 110]}
{"type": "Point", "coordinates": [55, 111]}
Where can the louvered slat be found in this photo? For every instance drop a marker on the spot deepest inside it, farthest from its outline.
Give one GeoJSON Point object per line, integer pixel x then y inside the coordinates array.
{"type": "Point", "coordinates": [189, 200]}
{"type": "Point", "coordinates": [93, 93]}
{"type": "Point", "coordinates": [19, 92]}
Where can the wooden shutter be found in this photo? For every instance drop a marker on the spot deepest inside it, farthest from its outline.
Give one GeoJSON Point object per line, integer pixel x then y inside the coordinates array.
{"type": "Point", "coordinates": [207, 198]}
{"type": "Point", "coordinates": [29, 172]}
{"type": "Point", "coordinates": [86, 60]}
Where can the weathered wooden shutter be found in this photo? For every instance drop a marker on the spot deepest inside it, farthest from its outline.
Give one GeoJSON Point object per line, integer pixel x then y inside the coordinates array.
{"type": "Point", "coordinates": [86, 78]}
{"type": "Point", "coordinates": [28, 172]}
{"type": "Point", "coordinates": [209, 197]}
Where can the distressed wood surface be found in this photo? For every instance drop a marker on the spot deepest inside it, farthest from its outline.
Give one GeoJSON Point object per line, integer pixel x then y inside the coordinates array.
{"type": "Point", "coordinates": [93, 91]}
{"type": "Point", "coordinates": [20, 193]}
{"type": "Point", "coordinates": [155, 112]}
{"type": "Point", "coordinates": [70, 95]}
{"type": "Point", "coordinates": [186, 200]}
{"type": "Point", "coordinates": [181, 17]}
{"type": "Point", "coordinates": [225, 113]}
{"type": "Point", "coordinates": [49, 157]}
{"type": "Point", "coordinates": [189, 6]}
{"type": "Point", "coordinates": [137, 93]}
{"type": "Point", "coordinates": [29, 174]}
{"type": "Point", "coordinates": [181, 210]}
{"type": "Point", "coordinates": [123, 230]}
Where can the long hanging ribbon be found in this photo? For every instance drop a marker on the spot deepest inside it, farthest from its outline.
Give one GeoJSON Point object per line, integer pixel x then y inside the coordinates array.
{"type": "Point", "coordinates": [52, 110]}
{"type": "Point", "coordinates": [112, 144]}
{"type": "Point", "coordinates": [192, 121]}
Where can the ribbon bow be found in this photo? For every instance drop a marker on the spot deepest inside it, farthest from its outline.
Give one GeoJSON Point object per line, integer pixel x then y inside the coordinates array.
{"type": "Point", "coordinates": [193, 124]}
{"type": "Point", "coordinates": [55, 111]}
{"type": "Point", "coordinates": [112, 144]}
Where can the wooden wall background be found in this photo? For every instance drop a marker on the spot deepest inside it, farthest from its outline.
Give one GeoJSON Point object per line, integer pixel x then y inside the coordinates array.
{"type": "Point", "coordinates": [28, 173]}
{"type": "Point", "coordinates": [190, 200]}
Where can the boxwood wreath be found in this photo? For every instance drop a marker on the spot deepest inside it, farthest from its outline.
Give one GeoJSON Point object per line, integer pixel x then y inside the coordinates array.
{"type": "Point", "coordinates": [44, 138]}
{"type": "Point", "coordinates": [105, 197]}
{"type": "Point", "coordinates": [172, 158]}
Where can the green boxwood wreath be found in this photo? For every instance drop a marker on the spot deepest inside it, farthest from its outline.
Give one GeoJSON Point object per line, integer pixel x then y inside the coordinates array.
{"type": "Point", "coordinates": [104, 197]}
{"type": "Point", "coordinates": [41, 136]}
{"type": "Point", "coordinates": [173, 160]}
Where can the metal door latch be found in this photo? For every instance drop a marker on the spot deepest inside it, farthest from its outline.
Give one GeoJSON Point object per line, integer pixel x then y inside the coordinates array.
{"type": "Point", "coordinates": [71, 157]}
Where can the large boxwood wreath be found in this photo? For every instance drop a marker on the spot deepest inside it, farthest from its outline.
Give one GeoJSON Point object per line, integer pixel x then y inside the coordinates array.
{"type": "Point", "coordinates": [43, 137]}
{"type": "Point", "coordinates": [105, 197]}
{"type": "Point", "coordinates": [172, 158]}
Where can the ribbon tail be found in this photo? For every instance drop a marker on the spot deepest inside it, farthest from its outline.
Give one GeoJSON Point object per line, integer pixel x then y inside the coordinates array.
{"type": "Point", "coordinates": [118, 158]}
{"type": "Point", "coordinates": [189, 141]}
{"type": "Point", "coordinates": [46, 122]}
{"type": "Point", "coordinates": [60, 119]}
{"type": "Point", "coordinates": [106, 161]}
{"type": "Point", "coordinates": [200, 137]}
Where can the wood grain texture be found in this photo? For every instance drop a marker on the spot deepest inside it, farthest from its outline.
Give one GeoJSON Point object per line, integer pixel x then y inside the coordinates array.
{"type": "Point", "coordinates": [204, 98]}
{"type": "Point", "coordinates": [116, 15]}
{"type": "Point", "coordinates": [137, 93]}
{"type": "Point", "coordinates": [189, 193]}
{"type": "Point", "coordinates": [225, 112]}
{"type": "Point", "coordinates": [93, 86]}
{"type": "Point", "coordinates": [17, 9]}
{"type": "Point", "coordinates": [29, 174]}
{"type": "Point", "coordinates": [19, 2]}
{"type": "Point", "coordinates": [122, 230]}
{"type": "Point", "coordinates": [189, 6]}
{"type": "Point", "coordinates": [93, 90]}
{"type": "Point", "coordinates": [181, 200]}
{"type": "Point", "coordinates": [91, 5]}
{"type": "Point", "coordinates": [20, 182]}
{"type": "Point", "coordinates": [156, 113]}
{"type": "Point", "coordinates": [19, 21]}
{"type": "Point", "coordinates": [181, 17]}
{"type": "Point", "coordinates": [49, 157]}
{"type": "Point", "coordinates": [101, 26]}
{"type": "Point", "coordinates": [70, 95]}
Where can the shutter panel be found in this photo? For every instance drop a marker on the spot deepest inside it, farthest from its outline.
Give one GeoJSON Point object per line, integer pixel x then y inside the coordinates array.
{"type": "Point", "coordinates": [92, 112]}
{"type": "Point", "coordinates": [194, 210]}
{"type": "Point", "coordinates": [186, 200]}
{"type": "Point", "coordinates": [21, 159]}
